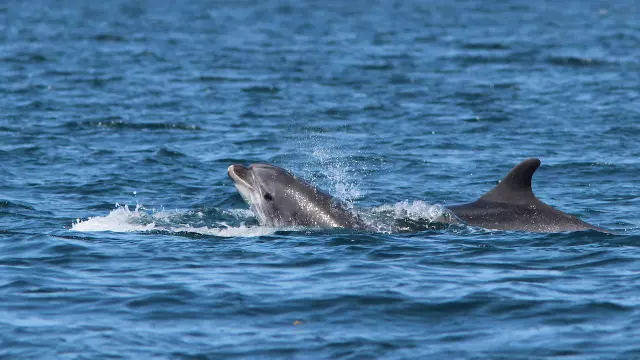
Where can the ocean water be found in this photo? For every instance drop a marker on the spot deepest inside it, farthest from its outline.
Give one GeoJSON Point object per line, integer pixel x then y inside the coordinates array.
{"type": "Point", "coordinates": [121, 236]}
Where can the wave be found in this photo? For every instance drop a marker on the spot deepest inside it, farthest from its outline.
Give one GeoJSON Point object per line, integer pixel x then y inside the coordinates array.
{"type": "Point", "coordinates": [400, 217]}
{"type": "Point", "coordinates": [576, 61]}
{"type": "Point", "coordinates": [119, 124]}
{"type": "Point", "coordinates": [485, 46]}
{"type": "Point", "coordinates": [261, 89]}
{"type": "Point", "coordinates": [14, 205]}
{"type": "Point", "coordinates": [122, 219]}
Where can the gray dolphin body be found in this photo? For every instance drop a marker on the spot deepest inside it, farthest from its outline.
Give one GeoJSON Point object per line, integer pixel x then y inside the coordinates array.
{"type": "Point", "coordinates": [511, 205]}
{"type": "Point", "coordinates": [278, 198]}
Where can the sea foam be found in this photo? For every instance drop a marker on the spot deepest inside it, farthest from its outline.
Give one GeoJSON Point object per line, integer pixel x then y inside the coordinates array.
{"type": "Point", "coordinates": [122, 219]}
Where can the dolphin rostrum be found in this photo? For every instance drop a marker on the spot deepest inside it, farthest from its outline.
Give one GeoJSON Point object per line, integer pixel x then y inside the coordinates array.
{"type": "Point", "coordinates": [278, 198]}
{"type": "Point", "coordinates": [511, 205]}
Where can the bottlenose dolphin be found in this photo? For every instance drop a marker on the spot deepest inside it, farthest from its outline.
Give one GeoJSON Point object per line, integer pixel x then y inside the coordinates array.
{"type": "Point", "coordinates": [511, 205]}
{"type": "Point", "coordinates": [278, 198]}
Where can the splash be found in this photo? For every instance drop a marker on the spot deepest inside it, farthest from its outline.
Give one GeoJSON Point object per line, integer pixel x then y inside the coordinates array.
{"type": "Point", "coordinates": [122, 219]}
{"type": "Point", "coordinates": [339, 174]}
{"type": "Point", "coordinates": [226, 230]}
{"type": "Point", "coordinates": [400, 217]}
{"type": "Point", "coordinates": [408, 216]}
{"type": "Point", "coordinates": [416, 210]}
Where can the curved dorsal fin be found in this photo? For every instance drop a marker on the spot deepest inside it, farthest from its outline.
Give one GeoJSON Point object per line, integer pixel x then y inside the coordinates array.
{"type": "Point", "coordinates": [516, 186]}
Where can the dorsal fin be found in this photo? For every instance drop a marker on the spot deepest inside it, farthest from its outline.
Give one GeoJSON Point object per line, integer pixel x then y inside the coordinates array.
{"type": "Point", "coordinates": [516, 186]}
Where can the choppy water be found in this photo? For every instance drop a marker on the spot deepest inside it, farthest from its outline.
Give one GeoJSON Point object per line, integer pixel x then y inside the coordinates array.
{"type": "Point", "coordinates": [392, 106]}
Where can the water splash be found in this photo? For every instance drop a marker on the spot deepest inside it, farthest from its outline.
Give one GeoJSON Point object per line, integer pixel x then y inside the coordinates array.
{"type": "Point", "coordinates": [408, 216]}
{"type": "Point", "coordinates": [122, 219]}
{"type": "Point", "coordinates": [400, 217]}
{"type": "Point", "coordinates": [339, 174]}
{"type": "Point", "coordinates": [415, 210]}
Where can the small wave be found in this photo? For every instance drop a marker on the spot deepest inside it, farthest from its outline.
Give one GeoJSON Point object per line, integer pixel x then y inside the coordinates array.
{"type": "Point", "coordinates": [574, 61]}
{"type": "Point", "coordinates": [485, 46]}
{"type": "Point", "coordinates": [261, 89]}
{"type": "Point", "coordinates": [255, 115]}
{"type": "Point", "coordinates": [380, 66]}
{"type": "Point", "coordinates": [224, 78]}
{"type": "Point", "coordinates": [22, 150]}
{"type": "Point", "coordinates": [230, 231]}
{"type": "Point", "coordinates": [122, 219]}
{"type": "Point", "coordinates": [169, 153]}
{"type": "Point", "coordinates": [109, 38]}
{"type": "Point", "coordinates": [491, 57]}
{"type": "Point", "coordinates": [24, 57]}
{"type": "Point", "coordinates": [624, 130]}
{"type": "Point", "coordinates": [400, 217]}
{"type": "Point", "coordinates": [117, 123]}
{"type": "Point", "coordinates": [6, 204]}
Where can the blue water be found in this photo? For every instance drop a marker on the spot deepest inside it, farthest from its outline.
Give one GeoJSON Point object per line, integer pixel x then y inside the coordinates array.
{"type": "Point", "coordinates": [121, 235]}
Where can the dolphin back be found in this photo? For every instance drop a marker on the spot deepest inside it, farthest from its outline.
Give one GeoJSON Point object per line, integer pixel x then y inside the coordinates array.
{"type": "Point", "coordinates": [512, 205]}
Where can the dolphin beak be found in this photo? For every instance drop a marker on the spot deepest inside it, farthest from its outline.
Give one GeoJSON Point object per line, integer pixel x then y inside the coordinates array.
{"type": "Point", "coordinates": [240, 175]}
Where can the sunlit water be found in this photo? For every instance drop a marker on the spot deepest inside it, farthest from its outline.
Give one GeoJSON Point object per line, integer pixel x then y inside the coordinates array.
{"type": "Point", "coordinates": [121, 235]}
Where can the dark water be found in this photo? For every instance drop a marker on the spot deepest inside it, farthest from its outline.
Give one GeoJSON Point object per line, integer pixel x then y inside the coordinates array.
{"type": "Point", "coordinates": [392, 106]}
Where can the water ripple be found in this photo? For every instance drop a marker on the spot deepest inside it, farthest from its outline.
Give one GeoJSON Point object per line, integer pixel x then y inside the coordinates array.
{"type": "Point", "coordinates": [124, 125]}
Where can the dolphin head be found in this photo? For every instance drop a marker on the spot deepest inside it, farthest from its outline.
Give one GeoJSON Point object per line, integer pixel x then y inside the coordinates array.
{"type": "Point", "coordinates": [278, 198]}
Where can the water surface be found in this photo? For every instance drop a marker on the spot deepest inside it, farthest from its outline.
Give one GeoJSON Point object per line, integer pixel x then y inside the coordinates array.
{"type": "Point", "coordinates": [122, 237]}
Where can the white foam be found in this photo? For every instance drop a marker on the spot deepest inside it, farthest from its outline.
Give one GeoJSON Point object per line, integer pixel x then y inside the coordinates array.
{"type": "Point", "coordinates": [415, 210]}
{"type": "Point", "coordinates": [121, 219]}
{"type": "Point", "coordinates": [229, 231]}
{"type": "Point", "coordinates": [240, 213]}
{"type": "Point", "coordinates": [385, 218]}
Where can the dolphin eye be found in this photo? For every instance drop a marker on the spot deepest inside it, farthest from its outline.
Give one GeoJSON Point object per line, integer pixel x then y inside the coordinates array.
{"type": "Point", "coordinates": [268, 197]}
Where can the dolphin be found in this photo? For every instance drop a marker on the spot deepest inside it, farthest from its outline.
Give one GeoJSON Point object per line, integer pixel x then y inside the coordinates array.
{"type": "Point", "coordinates": [511, 205]}
{"type": "Point", "coordinates": [278, 198]}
